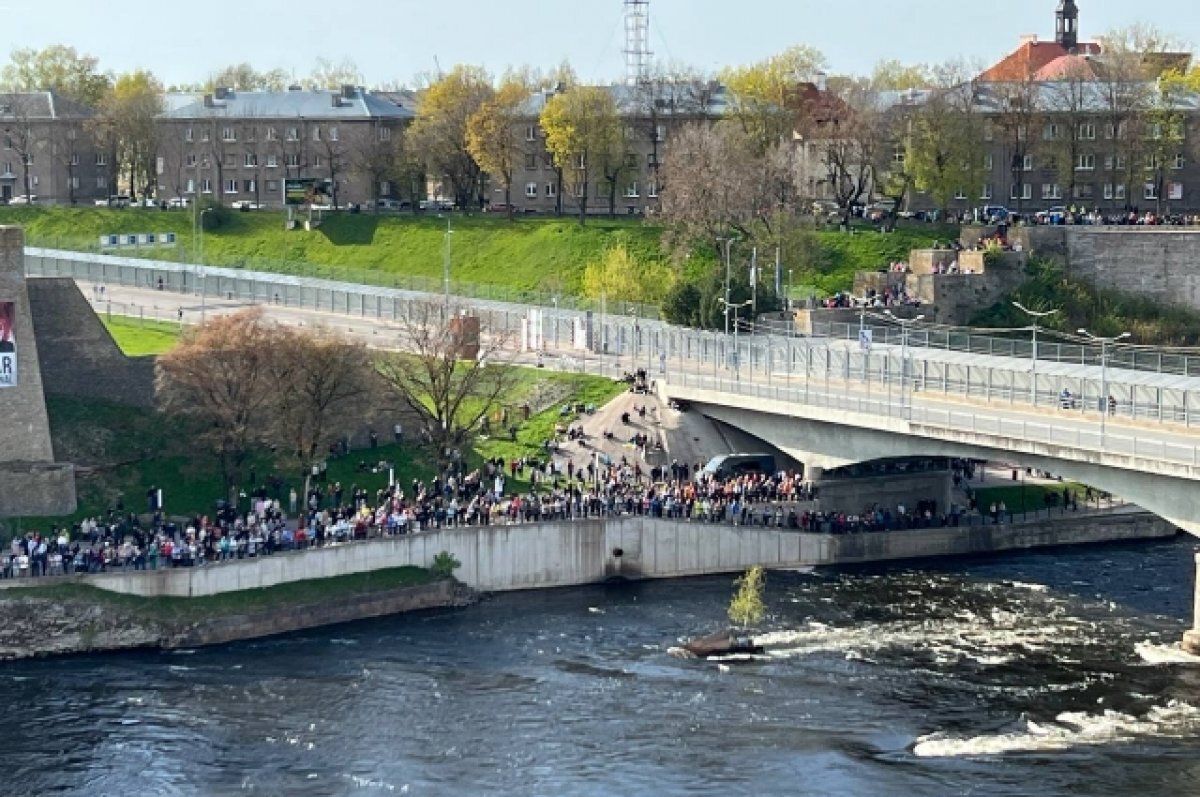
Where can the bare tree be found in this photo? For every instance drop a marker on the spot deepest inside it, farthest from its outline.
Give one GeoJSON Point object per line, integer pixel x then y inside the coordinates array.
{"type": "Point", "coordinates": [22, 132]}
{"type": "Point", "coordinates": [450, 390]}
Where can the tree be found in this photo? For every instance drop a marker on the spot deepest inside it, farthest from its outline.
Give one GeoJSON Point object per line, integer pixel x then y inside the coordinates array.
{"type": "Point", "coordinates": [220, 377]}
{"type": "Point", "coordinates": [1016, 107]}
{"type": "Point", "coordinates": [1071, 102]}
{"type": "Point", "coordinates": [23, 133]}
{"type": "Point", "coordinates": [491, 133]}
{"type": "Point", "coordinates": [319, 381]}
{"type": "Point", "coordinates": [328, 75]}
{"type": "Point", "coordinates": [944, 152]}
{"type": "Point", "coordinates": [850, 145]}
{"type": "Point", "coordinates": [747, 609]}
{"type": "Point", "coordinates": [619, 275]}
{"type": "Point", "coordinates": [438, 135]}
{"type": "Point", "coordinates": [666, 99]}
{"type": "Point", "coordinates": [244, 77]}
{"type": "Point", "coordinates": [130, 111]}
{"type": "Point", "coordinates": [764, 97]}
{"type": "Point", "coordinates": [56, 68]}
{"type": "Point", "coordinates": [892, 75]}
{"type": "Point", "coordinates": [450, 393]}
{"type": "Point", "coordinates": [582, 128]}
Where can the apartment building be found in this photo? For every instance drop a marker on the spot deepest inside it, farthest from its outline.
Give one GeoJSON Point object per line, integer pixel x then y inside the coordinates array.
{"type": "Point", "coordinates": [49, 150]}
{"type": "Point", "coordinates": [240, 146]}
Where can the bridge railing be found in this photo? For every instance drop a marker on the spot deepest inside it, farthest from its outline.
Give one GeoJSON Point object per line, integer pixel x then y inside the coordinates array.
{"type": "Point", "coordinates": [618, 342]}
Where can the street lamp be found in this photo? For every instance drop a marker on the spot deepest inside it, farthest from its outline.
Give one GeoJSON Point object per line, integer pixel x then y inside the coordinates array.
{"type": "Point", "coordinates": [1104, 344]}
{"type": "Point", "coordinates": [200, 272]}
{"type": "Point", "coordinates": [1035, 316]}
{"type": "Point", "coordinates": [904, 323]}
{"type": "Point", "coordinates": [446, 268]}
{"type": "Point", "coordinates": [737, 359]}
{"type": "Point", "coordinates": [728, 271]}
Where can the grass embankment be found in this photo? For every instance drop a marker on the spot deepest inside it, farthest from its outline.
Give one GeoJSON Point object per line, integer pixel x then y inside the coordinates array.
{"type": "Point", "coordinates": [1103, 312]}
{"type": "Point", "coordinates": [142, 338]}
{"type": "Point", "coordinates": [167, 609]}
{"type": "Point", "coordinates": [490, 255]}
{"type": "Point", "coordinates": [1018, 498]}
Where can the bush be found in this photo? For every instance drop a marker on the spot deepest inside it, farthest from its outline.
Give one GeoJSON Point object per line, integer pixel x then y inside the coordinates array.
{"type": "Point", "coordinates": [444, 565]}
{"type": "Point", "coordinates": [747, 607]}
{"type": "Point", "coordinates": [213, 215]}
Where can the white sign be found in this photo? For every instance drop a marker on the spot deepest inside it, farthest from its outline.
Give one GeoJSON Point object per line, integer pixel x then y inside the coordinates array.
{"type": "Point", "coordinates": [865, 339]}
{"type": "Point", "coordinates": [8, 369]}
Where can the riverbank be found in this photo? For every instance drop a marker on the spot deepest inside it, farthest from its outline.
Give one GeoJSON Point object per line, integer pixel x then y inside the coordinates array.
{"type": "Point", "coordinates": [54, 618]}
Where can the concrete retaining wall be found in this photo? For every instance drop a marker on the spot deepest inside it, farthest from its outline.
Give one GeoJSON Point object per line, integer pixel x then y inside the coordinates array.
{"type": "Point", "coordinates": [501, 558]}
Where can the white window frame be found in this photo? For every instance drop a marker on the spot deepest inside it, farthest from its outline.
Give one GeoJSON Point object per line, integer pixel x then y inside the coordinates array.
{"type": "Point", "coordinates": [189, 160]}
{"type": "Point", "coordinates": [551, 190]}
{"type": "Point", "coordinates": [1150, 191]}
{"type": "Point", "coordinates": [986, 192]}
{"type": "Point", "coordinates": [1175, 191]}
{"type": "Point", "coordinates": [1051, 191]}
{"type": "Point", "coordinates": [531, 190]}
{"type": "Point", "coordinates": [228, 134]}
{"type": "Point", "coordinates": [250, 161]}
{"type": "Point", "coordinates": [101, 158]}
{"type": "Point", "coordinates": [333, 133]}
{"type": "Point", "coordinates": [75, 182]}
{"type": "Point", "coordinates": [385, 134]}
{"type": "Point", "coordinates": [960, 194]}
{"type": "Point", "coordinates": [206, 185]}
{"type": "Point", "coordinates": [272, 134]}
{"type": "Point", "coordinates": [1087, 131]}
{"type": "Point", "coordinates": [74, 158]}
{"type": "Point", "coordinates": [102, 181]}
{"type": "Point", "coordinates": [1179, 161]}
{"type": "Point", "coordinates": [988, 162]}
{"type": "Point", "coordinates": [272, 161]}
{"type": "Point", "coordinates": [316, 134]}
{"type": "Point", "coordinates": [531, 132]}
{"type": "Point", "coordinates": [1085, 162]}
{"type": "Point", "coordinates": [1026, 163]}
{"type": "Point", "coordinates": [188, 135]}
{"type": "Point", "coordinates": [231, 185]}
{"type": "Point", "coordinates": [652, 189]}
{"type": "Point", "coordinates": [293, 134]}
{"type": "Point", "coordinates": [632, 190]}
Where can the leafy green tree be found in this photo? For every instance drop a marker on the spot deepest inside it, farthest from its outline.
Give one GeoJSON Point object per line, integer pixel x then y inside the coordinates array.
{"type": "Point", "coordinates": [438, 136]}
{"type": "Point", "coordinates": [621, 276]}
{"type": "Point", "coordinates": [582, 129]}
{"type": "Point", "coordinates": [764, 96]}
{"type": "Point", "coordinates": [944, 149]}
{"type": "Point", "coordinates": [747, 608]}
{"type": "Point", "coordinates": [128, 114]}
{"type": "Point", "coordinates": [58, 68]}
{"type": "Point", "coordinates": [491, 133]}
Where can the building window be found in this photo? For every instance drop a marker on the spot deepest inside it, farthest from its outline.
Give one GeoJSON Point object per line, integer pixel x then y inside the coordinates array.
{"type": "Point", "coordinates": [660, 132]}
{"type": "Point", "coordinates": [652, 189]}
{"type": "Point", "coordinates": [1178, 163]}
{"type": "Point", "coordinates": [531, 190]}
{"type": "Point", "coordinates": [249, 133]}
{"type": "Point", "coordinates": [101, 159]}
{"type": "Point", "coordinates": [652, 161]}
{"type": "Point", "coordinates": [1087, 131]}
{"type": "Point", "coordinates": [272, 134]}
{"type": "Point", "coordinates": [578, 188]}
{"type": "Point", "coordinates": [988, 162]}
{"type": "Point", "coordinates": [190, 159]}
{"type": "Point", "coordinates": [231, 186]}
{"type": "Point", "coordinates": [986, 193]}
{"type": "Point", "coordinates": [551, 190]}
{"type": "Point", "coordinates": [317, 162]}
{"type": "Point", "coordinates": [75, 183]}
{"type": "Point", "coordinates": [1085, 163]}
{"type": "Point", "coordinates": [898, 154]}
{"type": "Point", "coordinates": [206, 185]}
{"type": "Point", "coordinates": [191, 186]}
{"type": "Point", "coordinates": [1110, 131]}
{"type": "Point", "coordinates": [1027, 163]}
{"type": "Point", "coordinates": [1084, 191]}
{"type": "Point", "coordinates": [250, 161]}
{"type": "Point", "coordinates": [631, 161]}
{"type": "Point", "coordinates": [249, 186]}
{"type": "Point", "coordinates": [227, 134]}
{"type": "Point", "coordinates": [385, 188]}
{"type": "Point", "coordinates": [272, 161]}
{"type": "Point", "coordinates": [1174, 192]}
{"type": "Point", "coordinates": [1022, 133]}
{"type": "Point", "coordinates": [33, 180]}
{"type": "Point", "coordinates": [293, 134]}
{"type": "Point", "coordinates": [581, 162]}
{"type": "Point", "coordinates": [293, 160]}
{"type": "Point", "coordinates": [1050, 131]}
{"type": "Point", "coordinates": [385, 134]}
{"type": "Point", "coordinates": [74, 158]}
{"type": "Point", "coordinates": [333, 133]}
{"type": "Point", "coordinates": [102, 181]}
{"type": "Point", "coordinates": [204, 134]}
{"type": "Point", "coordinates": [531, 161]}
{"type": "Point", "coordinates": [187, 135]}
{"type": "Point", "coordinates": [316, 133]}
{"type": "Point", "coordinates": [204, 162]}
{"type": "Point", "coordinates": [549, 159]}
{"type": "Point", "coordinates": [531, 133]}
{"type": "Point", "coordinates": [1150, 191]}
{"type": "Point", "coordinates": [960, 193]}
{"type": "Point", "coordinates": [272, 185]}
{"type": "Point", "coordinates": [1051, 191]}
{"type": "Point", "coordinates": [988, 132]}
{"type": "Point", "coordinates": [631, 190]}
{"type": "Point", "coordinates": [71, 136]}
{"type": "Point", "coordinates": [230, 161]}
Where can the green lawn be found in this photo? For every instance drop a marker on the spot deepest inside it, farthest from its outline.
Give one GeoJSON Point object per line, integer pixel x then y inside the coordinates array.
{"type": "Point", "coordinates": [168, 609]}
{"type": "Point", "coordinates": [490, 256]}
{"type": "Point", "coordinates": [1020, 498]}
{"type": "Point", "coordinates": [141, 338]}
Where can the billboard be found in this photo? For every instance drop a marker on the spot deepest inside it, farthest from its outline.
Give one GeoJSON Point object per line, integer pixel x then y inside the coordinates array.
{"type": "Point", "coordinates": [8, 344]}
{"type": "Point", "coordinates": [300, 191]}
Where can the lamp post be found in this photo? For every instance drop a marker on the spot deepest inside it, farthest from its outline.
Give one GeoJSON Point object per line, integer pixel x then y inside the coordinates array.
{"type": "Point", "coordinates": [737, 355]}
{"type": "Point", "coordinates": [905, 324]}
{"type": "Point", "coordinates": [728, 273]}
{"type": "Point", "coordinates": [446, 269]}
{"type": "Point", "coordinates": [1104, 344]}
{"type": "Point", "coordinates": [1035, 316]}
{"type": "Point", "coordinates": [200, 272]}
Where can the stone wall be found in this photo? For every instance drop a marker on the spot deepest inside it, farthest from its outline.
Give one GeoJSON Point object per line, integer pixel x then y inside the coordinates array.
{"type": "Point", "coordinates": [1157, 262]}
{"type": "Point", "coordinates": [80, 357]}
{"type": "Point", "coordinates": [29, 483]}
{"type": "Point", "coordinates": [560, 554]}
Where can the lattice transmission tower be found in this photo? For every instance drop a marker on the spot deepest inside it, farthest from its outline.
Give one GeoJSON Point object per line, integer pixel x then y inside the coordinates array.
{"type": "Point", "coordinates": [637, 41]}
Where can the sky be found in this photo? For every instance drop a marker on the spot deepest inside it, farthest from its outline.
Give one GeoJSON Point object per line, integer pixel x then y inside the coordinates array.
{"type": "Point", "coordinates": [392, 41]}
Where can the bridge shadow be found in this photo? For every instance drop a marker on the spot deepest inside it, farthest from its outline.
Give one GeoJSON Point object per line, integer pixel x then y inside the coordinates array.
{"type": "Point", "coordinates": [345, 229]}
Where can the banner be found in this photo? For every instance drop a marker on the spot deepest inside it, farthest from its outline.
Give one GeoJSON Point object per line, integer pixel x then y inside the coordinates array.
{"type": "Point", "coordinates": [8, 345]}
{"type": "Point", "coordinates": [299, 191]}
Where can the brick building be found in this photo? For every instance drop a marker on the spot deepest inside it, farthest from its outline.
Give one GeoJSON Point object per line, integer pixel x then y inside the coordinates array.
{"type": "Point", "coordinates": [240, 146]}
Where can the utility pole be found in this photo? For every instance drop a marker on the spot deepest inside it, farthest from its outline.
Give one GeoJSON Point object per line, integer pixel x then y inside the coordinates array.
{"type": "Point", "coordinates": [1035, 316]}
{"type": "Point", "coordinates": [1104, 344]}
{"type": "Point", "coordinates": [728, 274]}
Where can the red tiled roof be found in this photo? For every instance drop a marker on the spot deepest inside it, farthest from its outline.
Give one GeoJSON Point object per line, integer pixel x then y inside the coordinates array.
{"type": "Point", "coordinates": [1067, 66]}
{"type": "Point", "coordinates": [1030, 58]}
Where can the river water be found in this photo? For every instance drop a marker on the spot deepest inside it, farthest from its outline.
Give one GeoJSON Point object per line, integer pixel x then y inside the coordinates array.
{"type": "Point", "coordinates": [1043, 673]}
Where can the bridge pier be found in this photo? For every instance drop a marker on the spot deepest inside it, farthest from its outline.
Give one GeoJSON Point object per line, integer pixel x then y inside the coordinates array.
{"type": "Point", "coordinates": [1191, 640]}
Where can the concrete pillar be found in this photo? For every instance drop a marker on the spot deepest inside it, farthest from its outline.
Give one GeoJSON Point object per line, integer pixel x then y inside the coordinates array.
{"type": "Point", "coordinates": [1191, 639]}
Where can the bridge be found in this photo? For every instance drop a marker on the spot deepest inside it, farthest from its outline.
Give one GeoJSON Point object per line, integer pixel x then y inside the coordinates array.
{"type": "Point", "coordinates": [828, 401]}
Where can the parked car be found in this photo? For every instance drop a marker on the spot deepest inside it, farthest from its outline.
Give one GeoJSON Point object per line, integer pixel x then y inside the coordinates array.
{"type": "Point", "coordinates": [877, 211]}
{"type": "Point", "coordinates": [436, 205]}
{"type": "Point", "coordinates": [118, 201]}
{"type": "Point", "coordinates": [993, 214]}
{"type": "Point", "coordinates": [500, 207]}
{"type": "Point", "coordinates": [244, 204]}
{"type": "Point", "coordinates": [24, 199]}
{"type": "Point", "coordinates": [178, 202]}
{"type": "Point", "coordinates": [1056, 214]}
{"type": "Point", "coordinates": [391, 205]}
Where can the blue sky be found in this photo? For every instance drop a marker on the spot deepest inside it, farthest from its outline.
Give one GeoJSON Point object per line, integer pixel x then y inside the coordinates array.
{"type": "Point", "coordinates": [393, 40]}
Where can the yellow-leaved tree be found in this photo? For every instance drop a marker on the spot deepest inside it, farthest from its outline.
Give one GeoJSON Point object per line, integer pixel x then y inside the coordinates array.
{"type": "Point", "coordinates": [620, 275]}
{"type": "Point", "coordinates": [747, 608]}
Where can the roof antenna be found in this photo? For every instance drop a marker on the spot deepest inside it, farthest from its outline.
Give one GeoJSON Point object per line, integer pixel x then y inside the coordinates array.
{"type": "Point", "coordinates": [437, 66]}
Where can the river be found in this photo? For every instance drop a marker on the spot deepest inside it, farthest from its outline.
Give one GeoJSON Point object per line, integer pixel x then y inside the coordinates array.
{"type": "Point", "coordinates": [1040, 673]}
